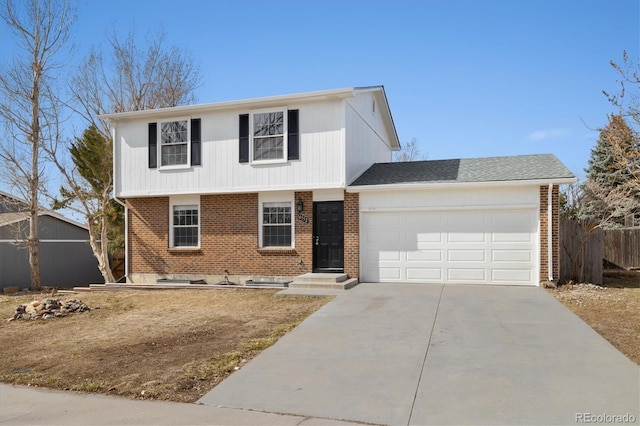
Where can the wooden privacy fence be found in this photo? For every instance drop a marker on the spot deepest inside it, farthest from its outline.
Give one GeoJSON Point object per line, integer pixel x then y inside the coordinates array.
{"type": "Point", "coordinates": [622, 247]}
{"type": "Point", "coordinates": [117, 264]}
{"type": "Point", "coordinates": [581, 252]}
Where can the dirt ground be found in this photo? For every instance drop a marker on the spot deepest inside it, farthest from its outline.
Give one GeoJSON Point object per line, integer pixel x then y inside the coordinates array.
{"type": "Point", "coordinates": [162, 344]}
{"type": "Point", "coordinates": [613, 310]}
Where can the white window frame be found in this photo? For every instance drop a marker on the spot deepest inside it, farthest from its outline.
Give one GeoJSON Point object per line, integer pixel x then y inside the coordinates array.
{"type": "Point", "coordinates": [188, 143]}
{"type": "Point", "coordinates": [178, 201]}
{"type": "Point", "coordinates": [285, 135]}
{"type": "Point", "coordinates": [276, 197]}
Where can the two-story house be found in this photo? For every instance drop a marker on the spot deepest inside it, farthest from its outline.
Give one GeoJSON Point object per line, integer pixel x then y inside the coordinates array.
{"type": "Point", "coordinates": [287, 185]}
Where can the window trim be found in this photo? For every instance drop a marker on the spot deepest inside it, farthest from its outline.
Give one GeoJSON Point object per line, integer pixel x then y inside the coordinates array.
{"type": "Point", "coordinates": [160, 144]}
{"type": "Point", "coordinates": [276, 197]}
{"type": "Point", "coordinates": [285, 136]}
{"type": "Point", "coordinates": [184, 200]}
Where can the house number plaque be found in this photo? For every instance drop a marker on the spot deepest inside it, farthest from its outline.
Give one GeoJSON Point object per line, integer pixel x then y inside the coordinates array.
{"type": "Point", "coordinates": [303, 218]}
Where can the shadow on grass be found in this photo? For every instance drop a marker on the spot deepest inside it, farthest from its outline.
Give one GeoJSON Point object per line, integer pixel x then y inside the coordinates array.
{"type": "Point", "coordinates": [619, 278]}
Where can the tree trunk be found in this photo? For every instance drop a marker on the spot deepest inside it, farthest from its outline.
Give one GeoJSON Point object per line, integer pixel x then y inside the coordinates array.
{"type": "Point", "coordinates": [34, 179]}
{"type": "Point", "coordinates": [101, 249]}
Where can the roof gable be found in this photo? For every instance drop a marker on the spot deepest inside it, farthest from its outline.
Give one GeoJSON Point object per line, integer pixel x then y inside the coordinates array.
{"type": "Point", "coordinates": [467, 170]}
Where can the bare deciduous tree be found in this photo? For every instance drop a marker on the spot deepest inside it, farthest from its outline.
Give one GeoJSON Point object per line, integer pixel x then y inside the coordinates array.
{"type": "Point", "coordinates": [409, 152]}
{"type": "Point", "coordinates": [28, 102]}
{"type": "Point", "coordinates": [136, 77]}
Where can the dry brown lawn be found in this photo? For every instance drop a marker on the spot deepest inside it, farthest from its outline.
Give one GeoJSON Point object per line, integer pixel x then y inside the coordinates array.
{"type": "Point", "coordinates": [162, 344]}
{"type": "Point", "coordinates": [613, 310]}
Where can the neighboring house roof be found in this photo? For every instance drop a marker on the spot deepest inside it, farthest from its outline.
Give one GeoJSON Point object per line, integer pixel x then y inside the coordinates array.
{"type": "Point", "coordinates": [13, 217]}
{"type": "Point", "coordinates": [540, 167]}
{"type": "Point", "coordinates": [9, 218]}
{"type": "Point", "coordinates": [263, 102]}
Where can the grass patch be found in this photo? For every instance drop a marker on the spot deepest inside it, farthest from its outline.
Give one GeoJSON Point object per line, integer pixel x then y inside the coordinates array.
{"type": "Point", "coordinates": [164, 344]}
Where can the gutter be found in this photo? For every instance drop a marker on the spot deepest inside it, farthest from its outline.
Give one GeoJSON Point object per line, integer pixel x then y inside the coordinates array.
{"type": "Point", "coordinates": [550, 232]}
{"type": "Point", "coordinates": [407, 186]}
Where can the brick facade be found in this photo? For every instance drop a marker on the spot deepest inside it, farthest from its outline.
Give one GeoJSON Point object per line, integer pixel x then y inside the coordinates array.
{"type": "Point", "coordinates": [555, 232]}
{"type": "Point", "coordinates": [228, 240]}
{"type": "Point", "coordinates": [352, 234]}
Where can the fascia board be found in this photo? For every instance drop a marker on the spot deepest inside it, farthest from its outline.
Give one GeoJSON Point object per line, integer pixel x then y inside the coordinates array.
{"type": "Point", "coordinates": [255, 102]}
{"type": "Point", "coordinates": [437, 185]}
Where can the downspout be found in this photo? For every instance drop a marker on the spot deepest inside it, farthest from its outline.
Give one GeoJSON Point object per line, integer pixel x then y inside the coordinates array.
{"type": "Point", "coordinates": [126, 210]}
{"type": "Point", "coordinates": [550, 232]}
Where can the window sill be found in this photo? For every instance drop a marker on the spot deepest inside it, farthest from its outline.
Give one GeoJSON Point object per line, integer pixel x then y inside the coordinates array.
{"type": "Point", "coordinates": [185, 250]}
{"type": "Point", "coordinates": [277, 250]}
{"type": "Point", "coordinates": [173, 168]}
{"type": "Point", "coordinates": [268, 162]}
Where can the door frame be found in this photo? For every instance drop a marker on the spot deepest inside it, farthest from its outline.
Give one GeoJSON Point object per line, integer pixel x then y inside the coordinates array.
{"type": "Point", "coordinates": [316, 222]}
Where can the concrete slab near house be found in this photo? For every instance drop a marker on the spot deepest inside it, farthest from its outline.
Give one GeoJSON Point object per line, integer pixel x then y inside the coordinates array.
{"type": "Point", "coordinates": [439, 354]}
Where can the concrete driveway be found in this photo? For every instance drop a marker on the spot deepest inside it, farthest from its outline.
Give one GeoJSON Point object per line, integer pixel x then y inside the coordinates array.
{"type": "Point", "coordinates": [440, 354]}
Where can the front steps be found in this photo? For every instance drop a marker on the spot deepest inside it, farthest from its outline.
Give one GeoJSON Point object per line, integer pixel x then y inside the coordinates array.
{"type": "Point", "coordinates": [323, 281]}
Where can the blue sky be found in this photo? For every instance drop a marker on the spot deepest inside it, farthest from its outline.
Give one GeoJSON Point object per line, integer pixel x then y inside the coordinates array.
{"type": "Point", "coordinates": [466, 78]}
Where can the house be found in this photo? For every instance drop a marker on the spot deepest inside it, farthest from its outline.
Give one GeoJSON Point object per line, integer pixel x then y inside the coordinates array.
{"type": "Point", "coordinates": [66, 260]}
{"type": "Point", "coordinates": [286, 185]}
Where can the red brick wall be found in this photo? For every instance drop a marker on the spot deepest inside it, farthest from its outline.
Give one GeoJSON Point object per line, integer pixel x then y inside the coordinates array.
{"type": "Point", "coordinates": [555, 229]}
{"type": "Point", "coordinates": [229, 239]}
{"type": "Point", "coordinates": [352, 234]}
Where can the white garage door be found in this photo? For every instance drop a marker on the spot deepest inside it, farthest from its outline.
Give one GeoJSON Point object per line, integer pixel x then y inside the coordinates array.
{"type": "Point", "coordinates": [464, 246]}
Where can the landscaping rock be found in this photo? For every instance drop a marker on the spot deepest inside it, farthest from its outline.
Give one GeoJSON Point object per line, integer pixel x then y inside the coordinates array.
{"type": "Point", "coordinates": [48, 309]}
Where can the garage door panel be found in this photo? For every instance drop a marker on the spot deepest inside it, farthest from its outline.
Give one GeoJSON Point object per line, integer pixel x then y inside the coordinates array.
{"type": "Point", "coordinates": [466, 255]}
{"type": "Point", "coordinates": [424, 274]}
{"type": "Point", "coordinates": [425, 221]}
{"type": "Point", "coordinates": [466, 237]}
{"type": "Point", "coordinates": [393, 274]}
{"type": "Point", "coordinates": [386, 256]}
{"type": "Point", "coordinates": [466, 274]}
{"type": "Point", "coordinates": [511, 256]}
{"type": "Point", "coordinates": [425, 238]}
{"type": "Point", "coordinates": [511, 237]}
{"type": "Point", "coordinates": [475, 246]}
{"type": "Point", "coordinates": [424, 256]}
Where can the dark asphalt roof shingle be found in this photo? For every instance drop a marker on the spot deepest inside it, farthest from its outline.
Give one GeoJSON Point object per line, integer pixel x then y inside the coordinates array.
{"type": "Point", "coordinates": [490, 169]}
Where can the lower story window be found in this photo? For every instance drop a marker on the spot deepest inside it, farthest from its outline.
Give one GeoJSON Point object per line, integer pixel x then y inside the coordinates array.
{"type": "Point", "coordinates": [185, 226]}
{"type": "Point", "coordinates": [276, 225]}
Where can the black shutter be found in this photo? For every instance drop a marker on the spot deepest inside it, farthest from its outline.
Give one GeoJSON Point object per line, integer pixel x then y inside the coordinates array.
{"type": "Point", "coordinates": [293, 138]}
{"type": "Point", "coordinates": [153, 145]}
{"type": "Point", "coordinates": [244, 138]}
{"type": "Point", "coordinates": [195, 142]}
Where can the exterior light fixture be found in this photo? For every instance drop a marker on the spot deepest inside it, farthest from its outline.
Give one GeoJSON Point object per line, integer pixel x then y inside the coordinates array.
{"type": "Point", "coordinates": [300, 206]}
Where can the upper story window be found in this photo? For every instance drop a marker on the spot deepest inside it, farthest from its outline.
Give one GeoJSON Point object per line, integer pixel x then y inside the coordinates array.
{"type": "Point", "coordinates": [268, 136]}
{"type": "Point", "coordinates": [174, 143]}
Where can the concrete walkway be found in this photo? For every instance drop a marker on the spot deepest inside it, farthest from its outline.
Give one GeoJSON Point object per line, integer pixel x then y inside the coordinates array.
{"type": "Point", "coordinates": [403, 354]}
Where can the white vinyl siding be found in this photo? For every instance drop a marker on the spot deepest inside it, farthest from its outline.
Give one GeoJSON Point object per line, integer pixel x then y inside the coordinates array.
{"type": "Point", "coordinates": [321, 163]}
{"type": "Point", "coordinates": [367, 140]}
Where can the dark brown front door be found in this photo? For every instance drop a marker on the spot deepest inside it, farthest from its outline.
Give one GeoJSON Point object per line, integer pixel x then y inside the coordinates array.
{"type": "Point", "coordinates": [328, 234]}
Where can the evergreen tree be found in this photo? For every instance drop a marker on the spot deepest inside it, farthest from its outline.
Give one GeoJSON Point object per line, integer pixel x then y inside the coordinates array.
{"type": "Point", "coordinates": [92, 156]}
{"type": "Point", "coordinates": [608, 190]}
